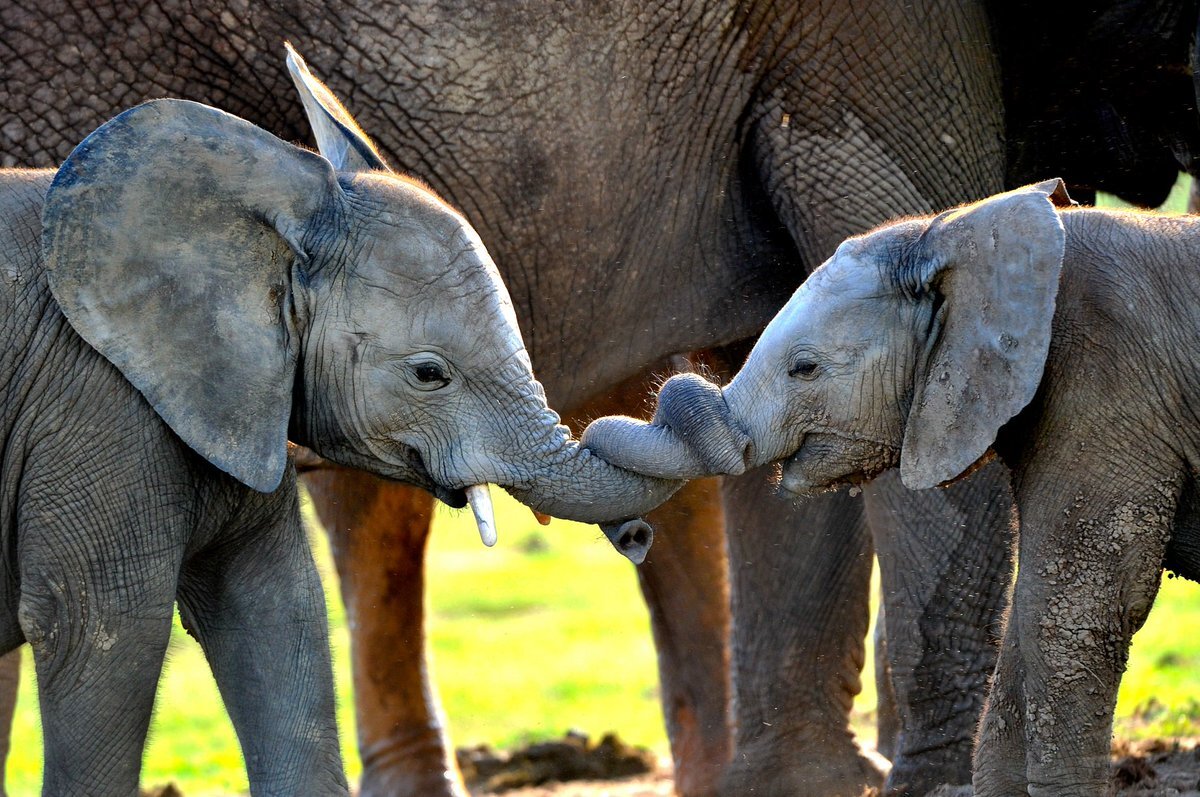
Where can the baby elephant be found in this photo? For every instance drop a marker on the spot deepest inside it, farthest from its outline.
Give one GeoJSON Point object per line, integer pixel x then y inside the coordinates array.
{"type": "Point", "coordinates": [1067, 340]}
{"type": "Point", "coordinates": [185, 294]}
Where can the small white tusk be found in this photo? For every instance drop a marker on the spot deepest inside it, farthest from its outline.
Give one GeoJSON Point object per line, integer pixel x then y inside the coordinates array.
{"type": "Point", "coordinates": [481, 505]}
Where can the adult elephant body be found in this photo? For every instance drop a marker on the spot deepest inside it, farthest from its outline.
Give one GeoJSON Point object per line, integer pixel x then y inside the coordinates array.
{"type": "Point", "coordinates": [707, 153]}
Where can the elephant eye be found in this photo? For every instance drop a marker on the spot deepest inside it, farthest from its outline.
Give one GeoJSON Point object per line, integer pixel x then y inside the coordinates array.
{"type": "Point", "coordinates": [430, 375]}
{"type": "Point", "coordinates": [805, 369]}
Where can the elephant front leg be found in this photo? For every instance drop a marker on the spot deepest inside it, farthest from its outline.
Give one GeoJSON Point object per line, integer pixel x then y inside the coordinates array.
{"type": "Point", "coordinates": [800, 576]}
{"type": "Point", "coordinates": [99, 632]}
{"type": "Point", "coordinates": [1088, 573]}
{"type": "Point", "coordinates": [254, 602]}
{"type": "Point", "coordinates": [685, 585]}
{"type": "Point", "coordinates": [378, 532]}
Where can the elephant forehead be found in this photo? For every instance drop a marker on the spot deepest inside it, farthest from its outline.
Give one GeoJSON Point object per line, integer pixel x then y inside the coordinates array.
{"type": "Point", "coordinates": [850, 278]}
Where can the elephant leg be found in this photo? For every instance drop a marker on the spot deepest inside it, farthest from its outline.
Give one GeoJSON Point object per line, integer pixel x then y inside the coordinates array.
{"type": "Point", "coordinates": [256, 605]}
{"type": "Point", "coordinates": [98, 645]}
{"type": "Point", "coordinates": [685, 586]}
{"type": "Point", "coordinates": [800, 576]}
{"type": "Point", "coordinates": [1090, 562]}
{"type": "Point", "coordinates": [10, 681]}
{"type": "Point", "coordinates": [378, 531]}
{"type": "Point", "coordinates": [684, 582]}
{"type": "Point", "coordinates": [887, 717]}
{"type": "Point", "coordinates": [944, 560]}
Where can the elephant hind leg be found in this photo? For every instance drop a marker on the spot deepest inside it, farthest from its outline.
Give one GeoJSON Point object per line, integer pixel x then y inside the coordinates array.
{"type": "Point", "coordinates": [801, 575]}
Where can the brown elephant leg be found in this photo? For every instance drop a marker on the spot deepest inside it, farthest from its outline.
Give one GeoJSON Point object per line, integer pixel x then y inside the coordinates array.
{"type": "Point", "coordinates": [684, 581]}
{"type": "Point", "coordinates": [378, 531]}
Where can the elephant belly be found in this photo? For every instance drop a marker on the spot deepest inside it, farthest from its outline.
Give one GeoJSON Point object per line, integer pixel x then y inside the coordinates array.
{"type": "Point", "coordinates": [1183, 553]}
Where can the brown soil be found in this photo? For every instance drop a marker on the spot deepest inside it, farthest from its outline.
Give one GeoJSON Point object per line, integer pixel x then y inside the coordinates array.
{"type": "Point", "coordinates": [1152, 768]}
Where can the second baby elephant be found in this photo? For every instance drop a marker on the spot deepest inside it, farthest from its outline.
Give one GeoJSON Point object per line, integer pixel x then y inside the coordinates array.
{"type": "Point", "coordinates": [202, 293]}
{"type": "Point", "coordinates": [1066, 341]}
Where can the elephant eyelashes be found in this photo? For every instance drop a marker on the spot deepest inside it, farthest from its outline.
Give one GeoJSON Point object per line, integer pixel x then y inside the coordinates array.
{"type": "Point", "coordinates": [805, 369]}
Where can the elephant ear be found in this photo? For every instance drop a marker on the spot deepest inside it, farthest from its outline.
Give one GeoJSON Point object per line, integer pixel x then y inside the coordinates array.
{"type": "Point", "coordinates": [172, 236]}
{"type": "Point", "coordinates": [339, 138]}
{"type": "Point", "coordinates": [994, 266]}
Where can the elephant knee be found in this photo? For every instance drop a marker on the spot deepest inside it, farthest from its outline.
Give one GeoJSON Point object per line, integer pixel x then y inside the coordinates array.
{"type": "Point", "coordinates": [42, 616]}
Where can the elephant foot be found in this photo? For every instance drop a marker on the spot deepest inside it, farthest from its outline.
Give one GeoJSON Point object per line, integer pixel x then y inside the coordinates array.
{"type": "Point", "coordinates": [390, 782]}
{"type": "Point", "coordinates": [946, 790]}
{"type": "Point", "coordinates": [931, 771]}
{"type": "Point", "coordinates": [805, 772]}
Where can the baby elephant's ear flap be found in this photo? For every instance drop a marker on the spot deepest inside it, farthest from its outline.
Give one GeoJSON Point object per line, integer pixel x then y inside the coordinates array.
{"type": "Point", "coordinates": [172, 238]}
{"type": "Point", "coordinates": [992, 271]}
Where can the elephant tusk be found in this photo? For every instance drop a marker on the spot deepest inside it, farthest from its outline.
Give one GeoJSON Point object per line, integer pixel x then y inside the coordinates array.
{"type": "Point", "coordinates": [481, 506]}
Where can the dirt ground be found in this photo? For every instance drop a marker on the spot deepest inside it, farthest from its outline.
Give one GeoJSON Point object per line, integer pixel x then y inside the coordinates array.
{"type": "Point", "coordinates": [1153, 768]}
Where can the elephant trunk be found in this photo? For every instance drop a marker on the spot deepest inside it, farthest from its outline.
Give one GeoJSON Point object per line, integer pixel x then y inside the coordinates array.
{"type": "Point", "coordinates": [576, 484]}
{"type": "Point", "coordinates": [693, 434]}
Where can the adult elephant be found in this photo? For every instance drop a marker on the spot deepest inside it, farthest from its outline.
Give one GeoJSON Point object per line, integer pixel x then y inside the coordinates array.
{"type": "Point", "coordinates": [710, 153]}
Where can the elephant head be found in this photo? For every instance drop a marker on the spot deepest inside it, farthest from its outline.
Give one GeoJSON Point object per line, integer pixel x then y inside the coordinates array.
{"type": "Point", "coordinates": [253, 293]}
{"type": "Point", "coordinates": [911, 346]}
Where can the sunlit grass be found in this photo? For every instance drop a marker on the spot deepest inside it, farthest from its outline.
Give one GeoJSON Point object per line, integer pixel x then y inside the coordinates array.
{"type": "Point", "coordinates": [544, 633]}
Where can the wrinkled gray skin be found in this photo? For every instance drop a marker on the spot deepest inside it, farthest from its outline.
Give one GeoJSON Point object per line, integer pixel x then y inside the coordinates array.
{"type": "Point", "coordinates": [929, 341]}
{"type": "Point", "coordinates": [201, 289]}
{"type": "Point", "coordinates": [706, 153]}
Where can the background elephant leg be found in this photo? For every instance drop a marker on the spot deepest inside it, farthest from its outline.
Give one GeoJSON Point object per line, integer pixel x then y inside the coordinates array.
{"type": "Point", "coordinates": [685, 586]}
{"type": "Point", "coordinates": [800, 575]}
{"type": "Point", "coordinates": [378, 532]}
{"type": "Point", "coordinates": [887, 718]}
{"type": "Point", "coordinates": [944, 559]}
{"type": "Point", "coordinates": [684, 581]}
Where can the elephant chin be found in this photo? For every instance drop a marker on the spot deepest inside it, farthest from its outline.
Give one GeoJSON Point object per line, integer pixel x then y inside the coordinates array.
{"type": "Point", "coordinates": [826, 462]}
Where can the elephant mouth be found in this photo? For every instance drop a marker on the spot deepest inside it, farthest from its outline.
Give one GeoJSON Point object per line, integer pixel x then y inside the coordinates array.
{"type": "Point", "coordinates": [827, 462]}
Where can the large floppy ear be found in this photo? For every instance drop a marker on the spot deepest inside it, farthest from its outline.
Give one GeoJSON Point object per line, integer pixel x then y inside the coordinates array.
{"type": "Point", "coordinates": [172, 238]}
{"type": "Point", "coordinates": [339, 138]}
{"type": "Point", "coordinates": [994, 267]}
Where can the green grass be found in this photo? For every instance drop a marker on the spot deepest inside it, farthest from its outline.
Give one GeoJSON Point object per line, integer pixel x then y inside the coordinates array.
{"type": "Point", "coordinates": [544, 633]}
{"type": "Point", "coordinates": [547, 632]}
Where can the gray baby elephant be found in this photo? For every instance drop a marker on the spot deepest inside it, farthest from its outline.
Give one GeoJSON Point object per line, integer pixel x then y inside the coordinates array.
{"type": "Point", "coordinates": [1067, 341]}
{"type": "Point", "coordinates": [185, 294]}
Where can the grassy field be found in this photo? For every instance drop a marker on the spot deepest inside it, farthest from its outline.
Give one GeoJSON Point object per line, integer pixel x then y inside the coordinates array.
{"type": "Point", "coordinates": [544, 633]}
